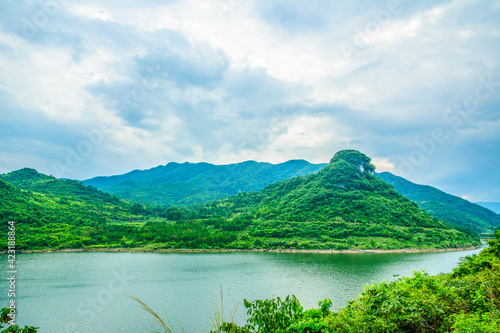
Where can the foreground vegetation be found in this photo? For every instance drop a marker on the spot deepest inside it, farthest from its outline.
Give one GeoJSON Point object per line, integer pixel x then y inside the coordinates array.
{"type": "Point", "coordinates": [466, 300]}
{"type": "Point", "coordinates": [7, 319]}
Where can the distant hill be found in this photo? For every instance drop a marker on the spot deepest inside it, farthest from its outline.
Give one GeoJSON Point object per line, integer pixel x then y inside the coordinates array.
{"type": "Point", "coordinates": [343, 204]}
{"type": "Point", "coordinates": [191, 183]}
{"type": "Point", "coordinates": [445, 206]}
{"type": "Point", "coordinates": [30, 197]}
{"type": "Point", "coordinates": [493, 206]}
{"type": "Point", "coordinates": [31, 180]}
{"type": "Point", "coordinates": [72, 218]}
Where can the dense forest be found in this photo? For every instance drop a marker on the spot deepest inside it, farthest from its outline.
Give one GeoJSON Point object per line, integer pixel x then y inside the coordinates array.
{"type": "Point", "coordinates": [341, 207]}
{"type": "Point", "coordinates": [444, 206]}
{"type": "Point", "coordinates": [186, 184]}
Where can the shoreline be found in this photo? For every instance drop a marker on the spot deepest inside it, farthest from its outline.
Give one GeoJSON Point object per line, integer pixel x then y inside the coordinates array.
{"type": "Point", "coordinates": [188, 251]}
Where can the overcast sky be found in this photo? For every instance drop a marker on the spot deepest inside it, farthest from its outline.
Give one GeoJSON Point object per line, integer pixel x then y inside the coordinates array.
{"type": "Point", "coordinates": [92, 88]}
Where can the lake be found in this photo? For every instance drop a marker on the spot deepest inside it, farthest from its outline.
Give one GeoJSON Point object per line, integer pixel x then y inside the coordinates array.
{"type": "Point", "coordinates": [84, 291]}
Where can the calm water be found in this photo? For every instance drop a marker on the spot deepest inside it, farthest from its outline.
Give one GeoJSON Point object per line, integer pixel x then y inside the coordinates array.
{"type": "Point", "coordinates": [83, 292]}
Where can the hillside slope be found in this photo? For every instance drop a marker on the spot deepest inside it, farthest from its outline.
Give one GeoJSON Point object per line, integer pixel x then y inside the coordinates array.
{"type": "Point", "coordinates": [191, 183]}
{"type": "Point", "coordinates": [445, 206]}
{"type": "Point", "coordinates": [343, 199]}
{"type": "Point", "coordinates": [31, 180]}
{"type": "Point", "coordinates": [52, 221]}
{"type": "Point", "coordinates": [343, 206]}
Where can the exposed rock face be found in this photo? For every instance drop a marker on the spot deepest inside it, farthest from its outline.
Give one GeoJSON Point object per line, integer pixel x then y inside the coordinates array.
{"type": "Point", "coordinates": [355, 157]}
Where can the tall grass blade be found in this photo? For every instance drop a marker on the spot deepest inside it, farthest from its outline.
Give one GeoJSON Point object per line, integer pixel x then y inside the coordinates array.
{"type": "Point", "coordinates": [157, 318]}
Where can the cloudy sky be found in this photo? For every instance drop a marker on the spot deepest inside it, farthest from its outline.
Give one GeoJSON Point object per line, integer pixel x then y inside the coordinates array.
{"type": "Point", "coordinates": [92, 88]}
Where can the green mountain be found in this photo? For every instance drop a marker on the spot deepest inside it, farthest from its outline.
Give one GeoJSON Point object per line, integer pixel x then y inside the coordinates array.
{"type": "Point", "coordinates": [46, 220]}
{"type": "Point", "coordinates": [342, 206]}
{"type": "Point", "coordinates": [444, 206]}
{"type": "Point", "coordinates": [28, 207]}
{"type": "Point", "coordinates": [31, 180]}
{"type": "Point", "coordinates": [70, 215]}
{"type": "Point", "coordinates": [191, 183]}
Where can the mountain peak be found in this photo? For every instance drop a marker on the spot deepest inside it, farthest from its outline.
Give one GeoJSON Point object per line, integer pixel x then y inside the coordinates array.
{"type": "Point", "coordinates": [354, 157]}
{"type": "Point", "coordinates": [24, 174]}
{"type": "Point", "coordinates": [26, 171]}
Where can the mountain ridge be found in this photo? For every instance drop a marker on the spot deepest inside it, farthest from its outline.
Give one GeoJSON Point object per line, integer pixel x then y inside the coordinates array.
{"type": "Point", "coordinates": [213, 185]}
{"type": "Point", "coordinates": [342, 200]}
{"type": "Point", "coordinates": [342, 206]}
{"type": "Point", "coordinates": [445, 206]}
{"type": "Point", "coordinates": [202, 181]}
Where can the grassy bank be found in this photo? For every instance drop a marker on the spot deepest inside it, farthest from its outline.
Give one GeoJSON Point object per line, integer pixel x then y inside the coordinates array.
{"type": "Point", "coordinates": [160, 250]}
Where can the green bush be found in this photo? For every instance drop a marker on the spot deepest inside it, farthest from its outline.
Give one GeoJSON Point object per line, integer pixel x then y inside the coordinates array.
{"type": "Point", "coordinates": [6, 319]}
{"type": "Point", "coordinates": [465, 301]}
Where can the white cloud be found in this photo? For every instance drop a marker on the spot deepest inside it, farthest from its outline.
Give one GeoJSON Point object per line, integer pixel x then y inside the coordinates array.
{"type": "Point", "coordinates": [224, 76]}
{"type": "Point", "coordinates": [383, 164]}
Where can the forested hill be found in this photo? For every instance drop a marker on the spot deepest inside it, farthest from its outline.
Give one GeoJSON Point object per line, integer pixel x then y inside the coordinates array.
{"type": "Point", "coordinates": [31, 180]}
{"type": "Point", "coordinates": [342, 200]}
{"type": "Point", "coordinates": [445, 206]}
{"type": "Point", "coordinates": [86, 208]}
{"type": "Point", "coordinates": [66, 215]}
{"type": "Point", "coordinates": [191, 183]}
{"type": "Point", "coordinates": [343, 206]}
{"type": "Point", "coordinates": [344, 189]}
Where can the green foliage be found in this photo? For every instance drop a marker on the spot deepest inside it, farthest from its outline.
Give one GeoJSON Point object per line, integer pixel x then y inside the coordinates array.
{"type": "Point", "coordinates": [341, 207]}
{"type": "Point", "coordinates": [6, 319]}
{"type": "Point", "coordinates": [59, 201]}
{"type": "Point", "coordinates": [268, 316]}
{"type": "Point", "coordinates": [467, 300]}
{"type": "Point", "coordinates": [276, 315]}
{"type": "Point", "coordinates": [340, 189]}
{"type": "Point", "coordinates": [31, 180]}
{"type": "Point", "coordinates": [354, 157]}
{"type": "Point", "coordinates": [445, 207]}
{"type": "Point", "coordinates": [272, 315]}
{"type": "Point", "coordinates": [193, 183]}
{"type": "Point", "coordinates": [342, 200]}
